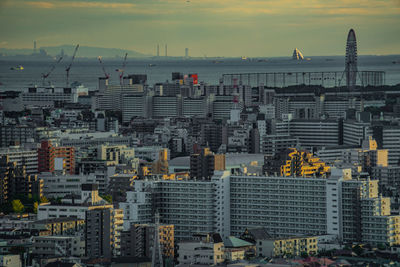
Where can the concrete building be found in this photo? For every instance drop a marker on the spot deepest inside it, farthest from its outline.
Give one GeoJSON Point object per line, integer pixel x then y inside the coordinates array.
{"type": "Point", "coordinates": [188, 205]}
{"type": "Point", "coordinates": [354, 132]}
{"type": "Point", "coordinates": [23, 157]}
{"type": "Point", "coordinates": [294, 246]}
{"type": "Point", "coordinates": [58, 185]}
{"type": "Point", "coordinates": [273, 144]}
{"type": "Point", "coordinates": [222, 106]}
{"type": "Point", "coordinates": [47, 153]}
{"type": "Point", "coordinates": [203, 165]}
{"type": "Point", "coordinates": [60, 226]}
{"type": "Point", "coordinates": [119, 185]}
{"type": "Point", "coordinates": [74, 206]}
{"type": "Point", "coordinates": [10, 261]}
{"type": "Point", "coordinates": [166, 106]}
{"type": "Point", "coordinates": [111, 97]}
{"type": "Point", "coordinates": [388, 136]}
{"type": "Point", "coordinates": [15, 181]}
{"type": "Point", "coordinates": [61, 246]}
{"type": "Point", "coordinates": [138, 241]}
{"type": "Point", "coordinates": [194, 107]}
{"type": "Point", "coordinates": [48, 97]}
{"type": "Point", "coordinates": [84, 140]}
{"type": "Point", "coordinates": [150, 153]}
{"type": "Point", "coordinates": [135, 106]}
{"type": "Point", "coordinates": [388, 176]}
{"type": "Point", "coordinates": [138, 207]}
{"type": "Point", "coordinates": [206, 249]}
{"type": "Point", "coordinates": [98, 233]}
{"type": "Point", "coordinates": [311, 133]}
{"type": "Point", "coordinates": [293, 162]}
{"type": "Point", "coordinates": [16, 134]}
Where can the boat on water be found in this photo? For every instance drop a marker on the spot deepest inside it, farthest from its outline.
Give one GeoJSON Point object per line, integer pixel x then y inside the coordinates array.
{"type": "Point", "coordinates": [19, 67]}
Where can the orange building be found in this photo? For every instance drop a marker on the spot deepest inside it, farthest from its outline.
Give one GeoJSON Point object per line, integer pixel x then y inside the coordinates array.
{"type": "Point", "coordinates": [47, 153]}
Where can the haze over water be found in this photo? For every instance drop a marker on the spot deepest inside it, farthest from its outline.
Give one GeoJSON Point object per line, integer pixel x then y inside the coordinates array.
{"type": "Point", "coordinates": [159, 70]}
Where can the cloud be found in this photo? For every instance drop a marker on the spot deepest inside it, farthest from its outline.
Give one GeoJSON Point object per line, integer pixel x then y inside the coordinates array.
{"type": "Point", "coordinates": [230, 8]}
{"type": "Point", "coordinates": [79, 4]}
{"type": "Point", "coordinates": [45, 5]}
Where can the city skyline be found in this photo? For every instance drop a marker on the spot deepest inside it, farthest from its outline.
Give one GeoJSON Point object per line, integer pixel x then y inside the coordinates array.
{"type": "Point", "coordinates": [226, 28]}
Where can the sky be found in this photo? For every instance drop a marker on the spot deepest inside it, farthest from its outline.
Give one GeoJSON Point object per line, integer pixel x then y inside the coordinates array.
{"type": "Point", "coordinates": [230, 28]}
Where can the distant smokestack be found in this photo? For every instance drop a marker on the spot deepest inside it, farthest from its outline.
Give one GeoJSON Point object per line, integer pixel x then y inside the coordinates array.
{"type": "Point", "coordinates": [34, 46]}
{"type": "Point", "coordinates": [166, 50]}
{"type": "Point", "coordinates": [158, 50]}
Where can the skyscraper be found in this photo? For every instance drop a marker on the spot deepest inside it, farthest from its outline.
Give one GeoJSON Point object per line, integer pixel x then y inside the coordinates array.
{"type": "Point", "coordinates": [186, 52]}
{"type": "Point", "coordinates": [158, 50]}
{"type": "Point", "coordinates": [351, 60]}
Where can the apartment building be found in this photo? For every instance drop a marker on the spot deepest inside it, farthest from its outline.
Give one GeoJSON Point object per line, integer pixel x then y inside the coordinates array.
{"type": "Point", "coordinates": [207, 249]}
{"type": "Point", "coordinates": [23, 157]}
{"type": "Point", "coordinates": [16, 134]}
{"type": "Point", "coordinates": [291, 246]}
{"type": "Point", "coordinates": [47, 153]}
{"type": "Point", "coordinates": [138, 241]}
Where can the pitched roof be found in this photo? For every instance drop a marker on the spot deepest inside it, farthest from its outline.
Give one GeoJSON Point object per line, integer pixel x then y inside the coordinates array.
{"type": "Point", "coordinates": [233, 242]}
{"type": "Point", "coordinates": [259, 233]}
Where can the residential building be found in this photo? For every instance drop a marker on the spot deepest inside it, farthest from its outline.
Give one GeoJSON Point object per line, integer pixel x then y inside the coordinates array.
{"type": "Point", "coordinates": [58, 185]}
{"type": "Point", "coordinates": [15, 181]}
{"type": "Point", "coordinates": [138, 241]}
{"type": "Point", "coordinates": [290, 247]}
{"type": "Point", "coordinates": [207, 249]}
{"type": "Point", "coordinates": [273, 144]}
{"type": "Point", "coordinates": [62, 226]}
{"type": "Point", "coordinates": [23, 157]}
{"type": "Point", "coordinates": [293, 162]}
{"type": "Point", "coordinates": [16, 134]}
{"type": "Point", "coordinates": [47, 153]}
{"type": "Point", "coordinates": [47, 97]}
{"type": "Point", "coordinates": [61, 246]}
{"type": "Point", "coordinates": [202, 165]}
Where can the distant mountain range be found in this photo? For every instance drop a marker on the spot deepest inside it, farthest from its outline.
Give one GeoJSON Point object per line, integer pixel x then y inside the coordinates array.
{"type": "Point", "coordinates": [84, 51]}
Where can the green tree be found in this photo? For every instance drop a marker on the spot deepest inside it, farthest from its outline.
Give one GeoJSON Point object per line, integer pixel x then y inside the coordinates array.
{"type": "Point", "coordinates": [107, 198]}
{"type": "Point", "coordinates": [17, 206]}
{"type": "Point", "coordinates": [35, 207]}
{"type": "Point", "coordinates": [358, 250]}
{"type": "Point", "coordinates": [304, 255]}
{"type": "Point", "coordinates": [43, 200]}
{"type": "Point", "coordinates": [381, 246]}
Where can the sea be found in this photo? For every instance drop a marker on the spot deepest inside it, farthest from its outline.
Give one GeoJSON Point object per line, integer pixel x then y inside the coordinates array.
{"type": "Point", "coordinates": [86, 71]}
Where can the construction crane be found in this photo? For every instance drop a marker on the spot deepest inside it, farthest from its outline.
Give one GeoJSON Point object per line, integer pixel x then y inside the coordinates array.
{"type": "Point", "coordinates": [107, 75]}
{"type": "Point", "coordinates": [68, 68]}
{"type": "Point", "coordinates": [121, 71]}
{"type": "Point", "coordinates": [45, 75]}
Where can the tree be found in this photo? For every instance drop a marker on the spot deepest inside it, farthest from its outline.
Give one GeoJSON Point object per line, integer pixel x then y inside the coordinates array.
{"type": "Point", "coordinates": [17, 206]}
{"type": "Point", "coordinates": [358, 250]}
{"type": "Point", "coordinates": [304, 255]}
{"type": "Point", "coordinates": [35, 207]}
{"type": "Point", "coordinates": [107, 198]}
{"type": "Point", "coordinates": [43, 200]}
{"type": "Point", "coordinates": [381, 246]}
